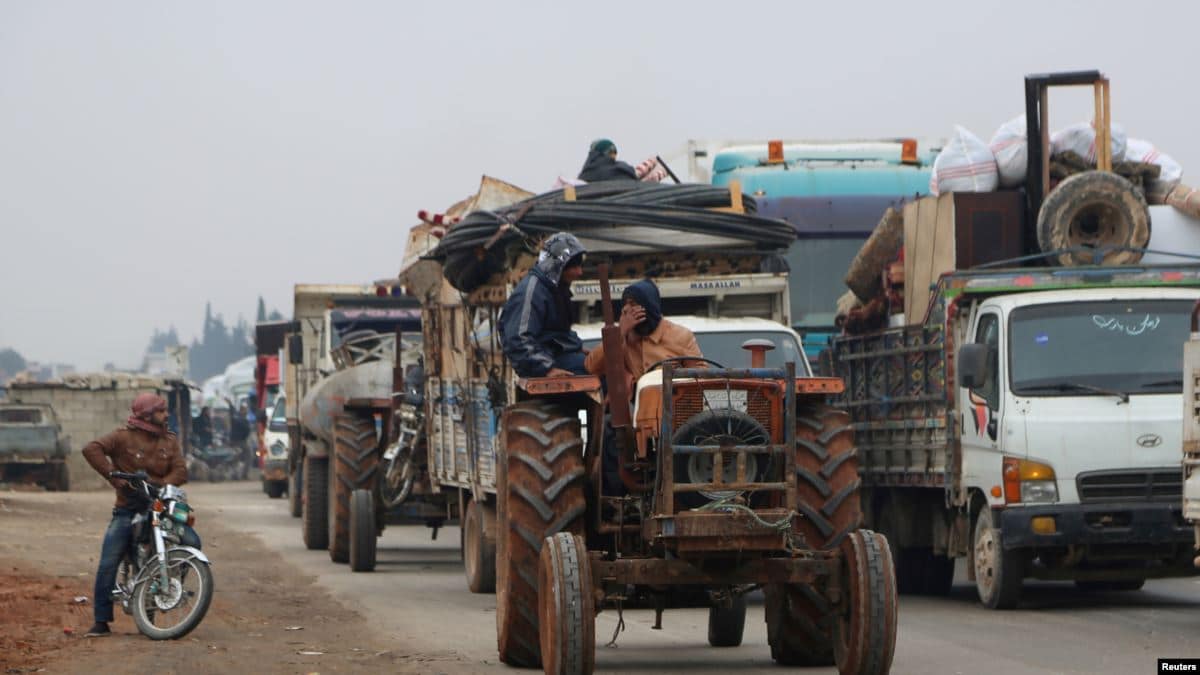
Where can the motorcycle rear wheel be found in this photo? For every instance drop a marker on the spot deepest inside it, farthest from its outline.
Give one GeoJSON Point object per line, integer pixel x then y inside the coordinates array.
{"type": "Point", "coordinates": [171, 613]}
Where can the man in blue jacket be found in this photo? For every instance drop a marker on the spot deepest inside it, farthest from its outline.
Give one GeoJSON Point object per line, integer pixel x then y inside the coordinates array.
{"type": "Point", "coordinates": [535, 325]}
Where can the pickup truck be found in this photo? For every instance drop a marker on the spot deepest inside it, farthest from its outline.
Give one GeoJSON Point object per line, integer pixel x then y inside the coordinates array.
{"type": "Point", "coordinates": [32, 447]}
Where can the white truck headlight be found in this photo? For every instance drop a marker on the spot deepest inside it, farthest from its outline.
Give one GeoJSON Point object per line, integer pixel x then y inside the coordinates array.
{"type": "Point", "coordinates": [1029, 482]}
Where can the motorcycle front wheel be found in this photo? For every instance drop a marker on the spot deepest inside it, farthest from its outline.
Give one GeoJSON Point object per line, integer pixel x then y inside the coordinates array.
{"type": "Point", "coordinates": [170, 613]}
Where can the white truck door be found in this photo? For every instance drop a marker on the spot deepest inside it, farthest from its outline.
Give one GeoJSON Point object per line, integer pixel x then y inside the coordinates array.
{"type": "Point", "coordinates": [982, 408]}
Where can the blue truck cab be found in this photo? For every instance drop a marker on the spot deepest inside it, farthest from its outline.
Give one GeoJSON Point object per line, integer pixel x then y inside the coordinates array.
{"type": "Point", "coordinates": [833, 193]}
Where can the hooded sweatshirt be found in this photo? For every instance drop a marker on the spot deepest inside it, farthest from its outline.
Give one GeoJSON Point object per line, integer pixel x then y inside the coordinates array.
{"type": "Point", "coordinates": [600, 167]}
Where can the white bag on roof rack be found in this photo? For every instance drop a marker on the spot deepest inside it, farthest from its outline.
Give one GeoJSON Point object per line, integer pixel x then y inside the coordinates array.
{"type": "Point", "coordinates": [1011, 148]}
{"type": "Point", "coordinates": [1081, 140]}
{"type": "Point", "coordinates": [964, 165]}
{"type": "Point", "coordinates": [1137, 150]}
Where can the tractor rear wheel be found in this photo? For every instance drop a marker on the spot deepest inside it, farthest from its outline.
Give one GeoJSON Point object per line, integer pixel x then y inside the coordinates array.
{"type": "Point", "coordinates": [540, 489]}
{"type": "Point", "coordinates": [315, 518]}
{"type": "Point", "coordinates": [355, 465]}
{"type": "Point", "coordinates": [865, 634]}
{"type": "Point", "coordinates": [479, 547]}
{"type": "Point", "coordinates": [799, 625]}
{"type": "Point", "coordinates": [566, 607]}
{"type": "Point", "coordinates": [827, 477]}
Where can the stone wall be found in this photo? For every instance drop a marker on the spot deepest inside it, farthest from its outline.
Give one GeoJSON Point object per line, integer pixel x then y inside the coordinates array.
{"type": "Point", "coordinates": [85, 414]}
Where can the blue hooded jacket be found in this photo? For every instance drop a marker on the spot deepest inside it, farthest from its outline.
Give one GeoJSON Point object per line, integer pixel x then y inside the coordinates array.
{"type": "Point", "coordinates": [535, 324]}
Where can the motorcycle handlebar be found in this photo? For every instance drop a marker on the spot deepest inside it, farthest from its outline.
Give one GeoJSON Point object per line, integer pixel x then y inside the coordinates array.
{"type": "Point", "coordinates": [140, 475]}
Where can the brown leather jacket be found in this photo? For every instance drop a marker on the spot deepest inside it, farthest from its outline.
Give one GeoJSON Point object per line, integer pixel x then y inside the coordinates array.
{"type": "Point", "coordinates": [132, 450]}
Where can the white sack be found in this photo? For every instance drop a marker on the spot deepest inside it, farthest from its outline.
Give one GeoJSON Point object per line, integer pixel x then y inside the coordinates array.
{"type": "Point", "coordinates": [964, 165]}
{"type": "Point", "coordinates": [1081, 140]}
{"type": "Point", "coordinates": [1011, 149]}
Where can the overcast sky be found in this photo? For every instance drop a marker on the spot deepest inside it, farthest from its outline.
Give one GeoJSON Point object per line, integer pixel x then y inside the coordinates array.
{"type": "Point", "coordinates": [155, 155]}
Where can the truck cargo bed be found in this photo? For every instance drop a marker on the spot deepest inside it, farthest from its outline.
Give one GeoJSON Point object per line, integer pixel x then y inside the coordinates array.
{"type": "Point", "coordinates": [897, 399]}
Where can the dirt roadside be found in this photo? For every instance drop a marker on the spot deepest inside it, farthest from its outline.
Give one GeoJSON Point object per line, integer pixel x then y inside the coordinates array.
{"type": "Point", "coordinates": [49, 544]}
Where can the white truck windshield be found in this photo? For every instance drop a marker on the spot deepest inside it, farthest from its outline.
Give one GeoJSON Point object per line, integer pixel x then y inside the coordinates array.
{"type": "Point", "coordinates": [1092, 348]}
{"type": "Point", "coordinates": [726, 349]}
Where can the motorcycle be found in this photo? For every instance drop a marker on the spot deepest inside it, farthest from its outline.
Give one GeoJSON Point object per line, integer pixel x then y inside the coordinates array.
{"type": "Point", "coordinates": [165, 586]}
{"type": "Point", "coordinates": [216, 462]}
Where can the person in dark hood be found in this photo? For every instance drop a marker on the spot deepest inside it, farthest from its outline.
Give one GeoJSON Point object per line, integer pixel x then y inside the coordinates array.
{"type": "Point", "coordinates": [143, 444]}
{"type": "Point", "coordinates": [649, 338]}
{"type": "Point", "coordinates": [601, 164]}
{"type": "Point", "coordinates": [535, 324]}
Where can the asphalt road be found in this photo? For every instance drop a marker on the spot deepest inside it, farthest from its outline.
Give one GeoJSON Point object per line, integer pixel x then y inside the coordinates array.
{"type": "Point", "coordinates": [418, 595]}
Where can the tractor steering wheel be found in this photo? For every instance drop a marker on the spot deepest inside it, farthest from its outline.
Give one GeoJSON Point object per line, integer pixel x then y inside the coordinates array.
{"type": "Point", "coordinates": [682, 359]}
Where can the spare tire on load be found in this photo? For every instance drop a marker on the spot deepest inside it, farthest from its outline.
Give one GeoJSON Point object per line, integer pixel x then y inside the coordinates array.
{"type": "Point", "coordinates": [1094, 209]}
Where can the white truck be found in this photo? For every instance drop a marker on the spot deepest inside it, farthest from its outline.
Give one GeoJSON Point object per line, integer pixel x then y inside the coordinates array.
{"type": "Point", "coordinates": [1032, 424]}
{"type": "Point", "coordinates": [1191, 429]}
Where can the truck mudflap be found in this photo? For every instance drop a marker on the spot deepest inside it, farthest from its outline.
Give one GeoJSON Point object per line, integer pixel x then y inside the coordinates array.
{"type": "Point", "coordinates": [1095, 524]}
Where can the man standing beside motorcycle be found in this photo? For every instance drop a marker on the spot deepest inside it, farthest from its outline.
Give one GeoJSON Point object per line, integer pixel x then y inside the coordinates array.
{"type": "Point", "coordinates": [143, 444]}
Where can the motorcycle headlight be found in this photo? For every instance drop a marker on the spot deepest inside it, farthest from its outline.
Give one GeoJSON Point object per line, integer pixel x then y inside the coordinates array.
{"type": "Point", "coordinates": [278, 449]}
{"type": "Point", "coordinates": [180, 512]}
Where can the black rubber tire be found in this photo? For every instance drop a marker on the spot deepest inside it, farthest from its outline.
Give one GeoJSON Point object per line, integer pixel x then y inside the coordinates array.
{"type": "Point", "coordinates": [865, 634]}
{"type": "Point", "coordinates": [295, 491]}
{"type": "Point", "coordinates": [315, 518]}
{"type": "Point", "coordinates": [998, 573]}
{"type": "Point", "coordinates": [727, 624]}
{"type": "Point", "coordinates": [356, 464]}
{"type": "Point", "coordinates": [566, 610]}
{"type": "Point", "coordinates": [143, 618]}
{"type": "Point", "coordinates": [479, 547]}
{"type": "Point", "coordinates": [540, 490]}
{"type": "Point", "coordinates": [1094, 209]}
{"type": "Point", "coordinates": [363, 531]}
{"type": "Point", "coordinates": [60, 478]}
{"type": "Point", "coordinates": [799, 625]}
{"type": "Point", "coordinates": [275, 489]}
{"type": "Point", "coordinates": [1124, 585]}
{"type": "Point", "coordinates": [827, 472]}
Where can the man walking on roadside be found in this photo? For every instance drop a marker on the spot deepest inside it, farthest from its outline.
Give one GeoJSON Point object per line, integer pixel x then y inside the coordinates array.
{"type": "Point", "coordinates": [143, 444]}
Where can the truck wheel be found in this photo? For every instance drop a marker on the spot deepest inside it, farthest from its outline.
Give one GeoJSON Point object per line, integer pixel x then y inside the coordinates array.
{"type": "Point", "coordinates": [540, 493]}
{"type": "Point", "coordinates": [479, 547]}
{"type": "Point", "coordinates": [865, 634]}
{"type": "Point", "coordinates": [998, 573]}
{"type": "Point", "coordinates": [827, 473]}
{"type": "Point", "coordinates": [799, 625]}
{"type": "Point", "coordinates": [566, 607]}
{"type": "Point", "coordinates": [1094, 209]}
{"type": "Point", "coordinates": [356, 461]}
{"type": "Point", "coordinates": [315, 519]}
{"type": "Point", "coordinates": [726, 624]}
{"type": "Point", "coordinates": [362, 531]}
{"type": "Point", "coordinates": [295, 490]}
{"type": "Point", "coordinates": [60, 478]}
{"type": "Point", "coordinates": [275, 489]}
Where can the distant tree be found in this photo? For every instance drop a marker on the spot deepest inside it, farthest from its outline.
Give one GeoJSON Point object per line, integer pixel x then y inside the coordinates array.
{"type": "Point", "coordinates": [11, 363]}
{"type": "Point", "coordinates": [262, 311]}
{"type": "Point", "coordinates": [218, 345]}
{"type": "Point", "coordinates": [275, 316]}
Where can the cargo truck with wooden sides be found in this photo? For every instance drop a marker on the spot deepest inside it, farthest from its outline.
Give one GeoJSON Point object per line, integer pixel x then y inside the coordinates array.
{"type": "Point", "coordinates": [1023, 409]}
